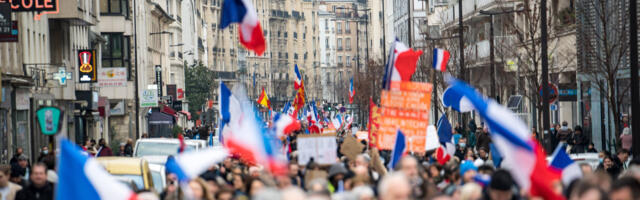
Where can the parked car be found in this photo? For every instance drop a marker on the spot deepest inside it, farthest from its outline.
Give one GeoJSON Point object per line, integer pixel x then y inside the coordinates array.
{"type": "Point", "coordinates": [164, 146]}
{"type": "Point", "coordinates": [158, 176]}
{"type": "Point", "coordinates": [128, 169]}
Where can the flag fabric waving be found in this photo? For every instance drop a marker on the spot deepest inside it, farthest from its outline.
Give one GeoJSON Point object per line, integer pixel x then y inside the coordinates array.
{"type": "Point", "coordinates": [263, 99]}
{"type": "Point", "coordinates": [298, 82]}
{"type": "Point", "coordinates": [440, 59]}
{"type": "Point", "coordinates": [284, 124]}
{"type": "Point", "coordinates": [444, 134]}
{"type": "Point", "coordinates": [352, 91]}
{"type": "Point", "coordinates": [522, 155]}
{"type": "Point", "coordinates": [401, 64]}
{"type": "Point", "coordinates": [191, 164]}
{"type": "Point", "coordinates": [249, 29]}
{"type": "Point", "coordinates": [244, 132]}
{"type": "Point", "coordinates": [399, 149]}
{"type": "Point", "coordinates": [82, 177]}
{"type": "Point", "coordinates": [564, 166]}
{"type": "Point", "coordinates": [432, 142]}
{"type": "Point", "coordinates": [182, 144]}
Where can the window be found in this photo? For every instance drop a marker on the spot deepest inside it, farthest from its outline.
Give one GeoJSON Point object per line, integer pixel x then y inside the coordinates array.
{"type": "Point", "coordinates": [295, 56]}
{"type": "Point", "coordinates": [339, 44]}
{"type": "Point", "coordinates": [295, 35]}
{"type": "Point", "coordinates": [326, 42]}
{"type": "Point", "coordinates": [348, 61]}
{"type": "Point", "coordinates": [114, 7]}
{"type": "Point", "coordinates": [285, 34]}
{"type": "Point", "coordinates": [326, 24]}
{"type": "Point", "coordinates": [304, 35]}
{"type": "Point", "coordinates": [347, 44]}
{"type": "Point", "coordinates": [116, 51]}
{"type": "Point", "coordinates": [339, 60]}
{"type": "Point", "coordinates": [339, 27]}
{"type": "Point", "coordinates": [347, 28]}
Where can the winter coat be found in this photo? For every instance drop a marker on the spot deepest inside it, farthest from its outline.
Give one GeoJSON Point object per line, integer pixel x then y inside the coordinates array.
{"type": "Point", "coordinates": [33, 193]}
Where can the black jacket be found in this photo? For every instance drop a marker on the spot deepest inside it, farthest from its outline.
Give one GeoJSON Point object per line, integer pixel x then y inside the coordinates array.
{"type": "Point", "coordinates": [483, 141]}
{"type": "Point", "coordinates": [33, 193]}
{"type": "Point", "coordinates": [579, 142]}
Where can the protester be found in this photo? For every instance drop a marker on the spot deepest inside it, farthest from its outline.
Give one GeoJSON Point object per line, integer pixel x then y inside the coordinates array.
{"type": "Point", "coordinates": [564, 134]}
{"type": "Point", "coordinates": [578, 140]}
{"type": "Point", "coordinates": [622, 159]}
{"type": "Point", "coordinates": [626, 139]}
{"type": "Point", "coordinates": [609, 166]}
{"type": "Point", "coordinates": [394, 186]}
{"type": "Point", "coordinates": [89, 147]}
{"type": "Point", "coordinates": [8, 189]}
{"type": "Point", "coordinates": [484, 139]}
{"type": "Point", "coordinates": [625, 188]}
{"type": "Point", "coordinates": [14, 159]}
{"type": "Point", "coordinates": [43, 153]}
{"type": "Point", "coordinates": [591, 148]}
{"type": "Point", "coordinates": [128, 148]}
{"type": "Point", "coordinates": [22, 168]}
{"type": "Point", "coordinates": [39, 188]}
{"type": "Point", "coordinates": [104, 149]}
{"type": "Point", "coordinates": [501, 186]}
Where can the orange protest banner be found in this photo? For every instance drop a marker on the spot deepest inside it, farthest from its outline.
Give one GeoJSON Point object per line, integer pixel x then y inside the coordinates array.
{"type": "Point", "coordinates": [412, 123]}
{"type": "Point", "coordinates": [406, 100]}
{"type": "Point", "coordinates": [411, 86]}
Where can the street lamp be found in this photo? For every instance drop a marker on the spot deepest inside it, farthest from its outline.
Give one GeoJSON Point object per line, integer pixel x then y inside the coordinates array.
{"type": "Point", "coordinates": [491, 47]}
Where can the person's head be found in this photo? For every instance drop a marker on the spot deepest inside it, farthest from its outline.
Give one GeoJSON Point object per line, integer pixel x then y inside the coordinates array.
{"type": "Point", "coordinates": [485, 129]}
{"type": "Point", "coordinates": [486, 169]}
{"type": "Point", "coordinates": [294, 168]}
{"type": "Point", "coordinates": [362, 160]}
{"type": "Point", "coordinates": [462, 142]}
{"type": "Point", "coordinates": [482, 152]}
{"type": "Point", "coordinates": [500, 185]}
{"type": "Point", "coordinates": [93, 142]}
{"type": "Point", "coordinates": [468, 171]}
{"type": "Point", "coordinates": [238, 182]}
{"type": "Point", "coordinates": [337, 173]}
{"type": "Point", "coordinates": [409, 167]}
{"type": "Point", "coordinates": [255, 171]}
{"type": "Point", "coordinates": [591, 146]}
{"type": "Point", "coordinates": [199, 189]}
{"type": "Point", "coordinates": [565, 124]}
{"type": "Point", "coordinates": [363, 193]}
{"type": "Point", "coordinates": [625, 188]}
{"type": "Point", "coordinates": [254, 185]}
{"type": "Point", "coordinates": [129, 141]}
{"type": "Point", "coordinates": [5, 174]}
{"type": "Point", "coordinates": [44, 150]}
{"type": "Point", "coordinates": [468, 154]}
{"type": "Point", "coordinates": [557, 126]}
{"type": "Point", "coordinates": [226, 193]}
{"type": "Point", "coordinates": [607, 162]}
{"type": "Point", "coordinates": [87, 142]}
{"type": "Point", "coordinates": [23, 161]}
{"type": "Point", "coordinates": [102, 142]}
{"type": "Point", "coordinates": [586, 169]}
{"type": "Point", "coordinates": [623, 155]}
{"type": "Point", "coordinates": [38, 175]}
{"type": "Point", "coordinates": [394, 186]}
{"type": "Point", "coordinates": [577, 130]}
{"type": "Point", "coordinates": [587, 191]}
{"type": "Point", "coordinates": [471, 191]}
{"type": "Point", "coordinates": [19, 151]}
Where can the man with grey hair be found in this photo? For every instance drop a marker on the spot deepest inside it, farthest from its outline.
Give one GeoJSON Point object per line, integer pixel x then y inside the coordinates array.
{"type": "Point", "coordinates": [394, 186]}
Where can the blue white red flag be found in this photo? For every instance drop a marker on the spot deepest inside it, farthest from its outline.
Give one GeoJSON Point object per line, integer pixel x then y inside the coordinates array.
{"type": "Point", "coordinates": [523, 156]}
{"type": "Point", "coordinates": [245, 135]}
{"type": "Point", "coordinates": [249, 29]}
{"type": "Point", "coordinates": [440, 59]}
{"type": "Point", "coordinates": [190, 165]}
{"type": "Point", "coordinates": [352, 91]}
{"type": "Point", "coordinates": [298, 82]}
{"type": "Point", "coordinates": [399, 150]}
{"type": "Point", "coordinates": [284, 124]}
{"type": "Point", "coordinates": [82, 177]}
{"type": "Point", "coordinates": [564, 166]}
{"type": "Point", "coordinates": [401, 64]}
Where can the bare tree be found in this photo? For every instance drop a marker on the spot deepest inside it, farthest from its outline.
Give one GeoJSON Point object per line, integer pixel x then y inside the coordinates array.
{"type": "Point", "coordinates": [606, 49]}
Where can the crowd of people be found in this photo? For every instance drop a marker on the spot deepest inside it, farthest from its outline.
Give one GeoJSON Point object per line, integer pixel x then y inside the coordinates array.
{"type": "Point", "coordinates": [470, 174]}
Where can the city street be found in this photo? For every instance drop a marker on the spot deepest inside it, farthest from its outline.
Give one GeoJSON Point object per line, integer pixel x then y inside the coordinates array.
{"type": "Point", "coordinates": [319, 99]}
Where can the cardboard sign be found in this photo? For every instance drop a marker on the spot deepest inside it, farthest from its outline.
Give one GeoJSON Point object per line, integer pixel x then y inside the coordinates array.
{"type": "Point", "coordinates": [412, 123]}
{"type": "Point", "coordinates": [322, 148]}
{"type": "Point", "coordinates": [406, 100]}
{"type": "Point", "coordinates": [351, 147]}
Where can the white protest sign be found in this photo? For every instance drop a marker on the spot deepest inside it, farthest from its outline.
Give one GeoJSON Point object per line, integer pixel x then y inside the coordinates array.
{"type": "Point", "coordinates": [322, 148]}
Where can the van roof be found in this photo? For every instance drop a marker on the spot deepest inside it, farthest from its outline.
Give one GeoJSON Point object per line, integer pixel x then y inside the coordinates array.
{"type": "Point", "coordinates": [122, 165]}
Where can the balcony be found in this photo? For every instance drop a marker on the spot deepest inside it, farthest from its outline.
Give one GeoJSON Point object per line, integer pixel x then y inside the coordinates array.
{"type": "Point", "coordinates": [472, 7]}
{"type": "Point", "coordinates": [478, 51]}
{"type": "Point", "coordinates": [85, 13]}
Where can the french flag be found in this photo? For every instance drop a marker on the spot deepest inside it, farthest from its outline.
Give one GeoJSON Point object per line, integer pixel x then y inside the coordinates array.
{"type": "Point", "coordinates": [352, 91]}
{"type": "Point", "coordinates": [337, 121]}
{"type": "Point", "coordinates": [244, 134]}
{"type": "Point", "coordinates": [297, 84]}
{"type": "Point", "coordinates": [523, 156]}
{"type": "Point", "coordinates": [401, 64]}
{"type": "Point", "coordinates": [440, 59]}
{"type": "Point", "coordinates": [447, 149]}
{"type": "Point", "coordinates": [564, 166]}
{"type": "Point", "coordinates": [190, 165]}
{"type": "Point", "coordinates": [399, 149]}
{"type": "Point", "coordinates": [243, 12]}
{"type": "Point", "coordinates": [82, 177]}
{"type": "Point", "coordinates": [284, 124]}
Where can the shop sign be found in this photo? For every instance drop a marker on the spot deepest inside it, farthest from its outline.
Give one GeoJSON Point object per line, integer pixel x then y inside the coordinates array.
{"type": "Point", "coordinates": [149, 98]}
{"type": "Point", "coordinates": [5, 18]}
{"type": "Point", "coordinates": [112, 77]}
{"type": "Point", "coordinates": [49, 119]}
{"type": "Point", "coordinates": [87, 66]}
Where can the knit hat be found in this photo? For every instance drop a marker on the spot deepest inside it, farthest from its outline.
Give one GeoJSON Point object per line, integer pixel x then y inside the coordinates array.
{"type": "Point", "coordinates": [466, 166]}
{"type": "Point", "coordinates": [337, 169]}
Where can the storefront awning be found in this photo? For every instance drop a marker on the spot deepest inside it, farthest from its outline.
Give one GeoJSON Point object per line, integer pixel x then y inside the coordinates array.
{"type": "Point", "coordinates": [160, 118]}
{"type": "Point", "coordinates": [186, 113]}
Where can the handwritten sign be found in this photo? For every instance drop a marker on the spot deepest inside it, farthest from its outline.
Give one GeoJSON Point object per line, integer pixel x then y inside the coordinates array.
{"type": "Point", "coordinates": [412, 123]}
{"type": "Point", "coordinates": [322, 148]}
